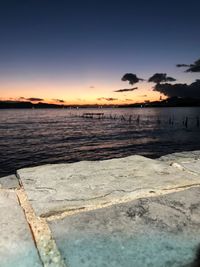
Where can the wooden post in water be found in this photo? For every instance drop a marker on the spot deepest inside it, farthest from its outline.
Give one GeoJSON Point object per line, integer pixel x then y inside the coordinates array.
{"type": "Point", "coordinates": [171, 120]}
{"type": "Point", "coordinates": [138, 119]}
{"type": "Point", "coordinates": [123, 118]}
{"type": "Point", "coordinates": [186, 122]}
{"type": "Point", "coordinates": [158, 120]}
{"type": "Point", "coordinates": [197, 118]}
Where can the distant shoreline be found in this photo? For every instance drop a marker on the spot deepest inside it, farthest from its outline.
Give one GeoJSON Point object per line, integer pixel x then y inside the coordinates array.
{"type": "Point", "coordinates": [170, 102]}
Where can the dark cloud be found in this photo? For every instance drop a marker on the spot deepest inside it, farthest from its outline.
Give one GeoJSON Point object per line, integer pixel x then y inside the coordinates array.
{"type": "Point", "coordinates": [181, 65]}
{"type": "Point", "coordinates": [127, 99]}
{"type": "Point", "coordinates": [107, 98]}
{"type": "Point", "coordinates": [92, 86]}
{"type": "Point", "coordinates": [59, 100]}
{"type": "Point", "coordinates": [143, 95]}
{"type": "Point", "coordinates": [125, 90]}
{"type": "Point", "coordinates": [170, 79]}
{"type": "Point", "coordinates": [179, 89]}
{"type": "Point", "coordinates": [195, 67]}
{"type": "Point", "coordinates": [161, 77]}
{"type": "Point", "coordinates": [131, 78]}
{"type": "Point", "coordinates": [34, 99]}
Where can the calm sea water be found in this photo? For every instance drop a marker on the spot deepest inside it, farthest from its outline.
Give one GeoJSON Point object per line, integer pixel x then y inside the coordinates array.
{"type": "Point", "coordinates": [34, 137]}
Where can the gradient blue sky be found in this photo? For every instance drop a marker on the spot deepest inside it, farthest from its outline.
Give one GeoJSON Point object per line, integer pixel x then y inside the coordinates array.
{"type": "Point", "coordinates": [79, 50]}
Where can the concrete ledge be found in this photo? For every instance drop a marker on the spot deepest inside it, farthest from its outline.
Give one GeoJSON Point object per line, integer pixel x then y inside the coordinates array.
{"type": "Point", "coordinates": [181, 157]}
{"type": "Point", "coordinates": [9, 182]}
{"type": "Point", "coordinates": [132, 211]}
{"type": "Point", "coordinates": [17, 247]}
{"type": "Point", "coordinates": [53, 189]}
{"type": "Point", "coordinates": [158, 231]}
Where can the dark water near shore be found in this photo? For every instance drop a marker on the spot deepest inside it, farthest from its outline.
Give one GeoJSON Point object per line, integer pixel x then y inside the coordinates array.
{"type": "Point", "coordinates": [34, 137]}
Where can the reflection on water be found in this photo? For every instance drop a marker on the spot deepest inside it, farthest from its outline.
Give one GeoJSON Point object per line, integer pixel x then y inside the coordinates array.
{"type": "Point", "coordinates": [33, 137]}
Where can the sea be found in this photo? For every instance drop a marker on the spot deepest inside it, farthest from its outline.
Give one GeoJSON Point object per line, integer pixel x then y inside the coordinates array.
{"type": "Point", "coordinates": [32, 137]}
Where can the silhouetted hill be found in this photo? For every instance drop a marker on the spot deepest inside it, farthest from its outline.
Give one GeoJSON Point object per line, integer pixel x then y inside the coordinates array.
{"type": "Point", "coordinates": [12, 104]}
{"type": "Point", "coordinates": [170, 102]}
{"type": "Point", "coordinates": [18, 104]}
{"type": "Point", "coordinates": [178, 102]}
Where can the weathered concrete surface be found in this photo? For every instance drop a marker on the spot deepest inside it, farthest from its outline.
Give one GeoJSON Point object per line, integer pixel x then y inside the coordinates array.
{"type": "Point", "coordinates": [61, 187]}
{"type": "Point", "coordinates": [158, 231]}
{"type": "Point", "coordinates": [9, 182]}
{"type": "Point", "coordinates": [181, 157]}
{"type": "Point", "coordinates": [46, 245]}
{"type": "Point", "coordinates": [16, 243]}
{"type": "Point", "coordinates": [193, 166]}
{"type": "Point", "coordinates": [189, 161]}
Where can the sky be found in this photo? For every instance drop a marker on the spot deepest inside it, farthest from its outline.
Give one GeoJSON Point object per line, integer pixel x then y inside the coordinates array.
{"type": "Point", "coordinates": [77, 51]}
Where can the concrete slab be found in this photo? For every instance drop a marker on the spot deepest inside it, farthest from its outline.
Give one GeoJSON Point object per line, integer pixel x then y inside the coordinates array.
{"type": "Point", "coordinates": [9, 182]}
{"type": "Point", "coordinates": [16, 244]}
{"type": "Point", "coordinates": [181, 157]}
{"type": "Point", "coordinates": [193, 166]}
{"type": "Point", "coordinates": [52, 189]}
{"type": "Point", "coordinates": [158, 231]}
{"type": "Point", "coordinates": [189, 161]}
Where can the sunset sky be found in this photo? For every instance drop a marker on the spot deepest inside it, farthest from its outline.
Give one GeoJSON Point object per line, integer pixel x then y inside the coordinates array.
{"type": "Point", "coordinates": [77, 51]}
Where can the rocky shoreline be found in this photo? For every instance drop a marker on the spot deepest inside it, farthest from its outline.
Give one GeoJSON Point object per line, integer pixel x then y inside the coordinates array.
{"type": "Point", "coordinates": [132, 211]}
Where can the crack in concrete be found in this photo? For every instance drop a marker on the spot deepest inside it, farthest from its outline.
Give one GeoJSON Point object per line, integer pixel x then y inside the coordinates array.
{"type": "Point", "coordinates": [182, 186]}
{"type": "Point", "coordinates": [30, 228]}
{"type": "Point", "coordinates": [45, 244]}
{"type": "Point", "coordinates": [55, 215]}
{"type": "Point", "coordinates": [101, 196]}
{"type": "Point", "coordinates": [183, 168]}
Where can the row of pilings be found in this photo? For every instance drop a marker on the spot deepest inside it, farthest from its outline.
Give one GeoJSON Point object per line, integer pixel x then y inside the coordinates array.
{"type": "Point", "coordinates": [186, 121]}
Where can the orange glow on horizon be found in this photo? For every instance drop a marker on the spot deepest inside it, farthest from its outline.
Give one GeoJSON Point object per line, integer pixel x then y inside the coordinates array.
{"type": "Point", "coordinates": [77, 94]}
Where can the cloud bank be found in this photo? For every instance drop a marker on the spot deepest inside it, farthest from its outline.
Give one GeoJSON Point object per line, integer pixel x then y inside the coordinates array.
{"type": "Point", "coordinates": [179, 89]}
